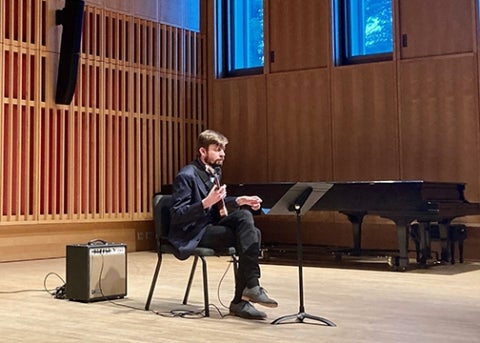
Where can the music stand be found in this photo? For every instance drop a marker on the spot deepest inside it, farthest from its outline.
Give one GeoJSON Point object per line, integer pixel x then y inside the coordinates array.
{"type": "Point", "coordinates": [300, 204]}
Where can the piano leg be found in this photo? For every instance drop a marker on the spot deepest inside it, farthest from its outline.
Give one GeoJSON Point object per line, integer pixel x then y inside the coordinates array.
{"type": "Point", "coordinates": [356, 221]}
{"type": "Point", "coordinates": [460, 251]}
{"type": "Point", "coordinates": [425, 247]}
{"type": "Point", "coordinates": [457, 233]}
{"type": "Point", "coordinates": [461, 236]}
{"type": "Point", "coordinates": [443, 228]}
{"type": "Point", "coordinates": [403, 228]}
{"type": "Point", "coordinates": [420, 233]}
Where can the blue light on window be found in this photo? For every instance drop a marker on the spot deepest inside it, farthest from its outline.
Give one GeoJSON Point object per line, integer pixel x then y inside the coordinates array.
{"type": "Point", "coordinates": [246, 25]}
{"type": "Point", "coordinates": [368, 27]}
{"type": "Point", "coordinates": [239, 37]}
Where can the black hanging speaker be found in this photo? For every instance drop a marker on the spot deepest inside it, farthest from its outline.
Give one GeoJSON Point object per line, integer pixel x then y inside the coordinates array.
{"type": "Point", "coordinates": [96, 271]}
{"type": "Point", "coordinates": [71, 18]}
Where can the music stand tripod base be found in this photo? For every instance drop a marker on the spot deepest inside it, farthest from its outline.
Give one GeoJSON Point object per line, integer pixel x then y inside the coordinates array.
{"type": "Point", "coordinates": [300, 317]}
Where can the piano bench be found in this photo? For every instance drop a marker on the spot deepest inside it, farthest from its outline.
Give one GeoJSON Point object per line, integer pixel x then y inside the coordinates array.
{"type": "Point", "coordinates": [457, 233]}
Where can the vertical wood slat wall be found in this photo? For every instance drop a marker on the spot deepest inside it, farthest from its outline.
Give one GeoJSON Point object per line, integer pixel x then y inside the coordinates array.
{"type": "Point", "coordinates": [138, 107]}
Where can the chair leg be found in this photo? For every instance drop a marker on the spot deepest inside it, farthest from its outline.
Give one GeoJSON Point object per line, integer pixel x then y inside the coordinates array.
{"type": "Point", "coordinates": [190, 280]}
{"type": "Point", "coordinates": [154, 282]}
{"type": "Point", "coordinates": [205, 287]}
{"type": "Point", "coordinates": [205, 283]}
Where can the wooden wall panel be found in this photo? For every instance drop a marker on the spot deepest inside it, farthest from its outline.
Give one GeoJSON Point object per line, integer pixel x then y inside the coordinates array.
{"type": "Point", "coordinates": [299, 126]}
{"type": "Point", "coordinates": [46, 240]}
{"type": "Point", "coordinates": [295, 46]}
{"type": "Point", "coordinates": [240, 113]}
{"type": "Point", "coordinates": [365, 123]}
{"type": "Point", "coordinates": [439, 121]}
{"type": "Point", "coordinates": [436, 27]}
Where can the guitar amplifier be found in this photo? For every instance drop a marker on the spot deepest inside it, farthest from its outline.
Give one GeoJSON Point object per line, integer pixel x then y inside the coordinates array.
{"type": "Point", "coordinates": [96, 271]}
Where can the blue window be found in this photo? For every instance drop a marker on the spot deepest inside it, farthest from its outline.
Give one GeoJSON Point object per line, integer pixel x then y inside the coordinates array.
{"type": "Point", "coordinates": [364, 31]}
{"type": "Point", "coordinates": [239, 37]}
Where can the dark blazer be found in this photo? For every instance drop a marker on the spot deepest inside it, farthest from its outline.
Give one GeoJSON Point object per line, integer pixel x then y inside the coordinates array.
{"type": "Point", "coordinates": [188, 218]}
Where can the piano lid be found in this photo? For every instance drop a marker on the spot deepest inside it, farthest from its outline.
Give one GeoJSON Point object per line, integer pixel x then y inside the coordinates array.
{"type": "Point", "coordinates": [416, 195]}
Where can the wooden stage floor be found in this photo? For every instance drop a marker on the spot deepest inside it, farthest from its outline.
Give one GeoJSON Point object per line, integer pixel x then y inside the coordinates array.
{"type": "Point", "coordinates": [368, 304]}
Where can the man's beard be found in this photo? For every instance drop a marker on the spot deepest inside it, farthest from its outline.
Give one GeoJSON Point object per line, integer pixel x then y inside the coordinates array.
{"type": "Point", "coordinates": [217, 163]}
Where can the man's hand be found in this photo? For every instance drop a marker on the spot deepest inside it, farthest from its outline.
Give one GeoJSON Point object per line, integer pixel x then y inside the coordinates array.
{"type": "Point", "coordinates": [215, 195]}
{"type": "Point", "coordinates": [253, 201]}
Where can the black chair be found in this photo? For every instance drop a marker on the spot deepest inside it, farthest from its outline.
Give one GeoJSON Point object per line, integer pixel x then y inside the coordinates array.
{"type": "Point", "coordinates": [161, 215]}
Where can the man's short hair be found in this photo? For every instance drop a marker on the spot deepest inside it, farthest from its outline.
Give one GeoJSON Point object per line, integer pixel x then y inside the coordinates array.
{"type": "Point", "coordinates": [208, 137]}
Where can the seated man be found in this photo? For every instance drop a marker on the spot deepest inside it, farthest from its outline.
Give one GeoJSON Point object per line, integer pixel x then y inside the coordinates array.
{"type": "Point", "coordinates": [200, 216]}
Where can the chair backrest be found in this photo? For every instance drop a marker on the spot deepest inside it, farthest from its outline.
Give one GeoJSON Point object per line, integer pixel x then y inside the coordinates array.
{"type": "Point", "coordinates": [161, 214]}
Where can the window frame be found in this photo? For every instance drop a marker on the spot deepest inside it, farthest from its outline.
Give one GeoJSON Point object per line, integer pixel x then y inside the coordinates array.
{"type": "Point", "coordinates": [224, 20]}
{"type": "Point", "coordinates": [342, 39]}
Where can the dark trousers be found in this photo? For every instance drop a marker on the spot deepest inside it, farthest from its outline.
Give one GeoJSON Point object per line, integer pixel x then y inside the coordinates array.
{"type": "Point", "coordinates": [238, 230]}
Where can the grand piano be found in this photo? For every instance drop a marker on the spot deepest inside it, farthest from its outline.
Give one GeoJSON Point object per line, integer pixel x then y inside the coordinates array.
{"type": "Point", "coordinates": [403, 202]}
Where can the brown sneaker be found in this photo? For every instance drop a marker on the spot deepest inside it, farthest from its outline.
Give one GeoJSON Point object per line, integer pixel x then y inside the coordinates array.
{"type": "Point", "coordinates": [246, 310]}
{"type": "Point", "coordinates": [258, 295]}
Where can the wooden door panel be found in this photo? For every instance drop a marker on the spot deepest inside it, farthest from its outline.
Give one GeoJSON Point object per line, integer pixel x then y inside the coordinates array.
{"type": "Point", "coordinates": [299, 34]}
{"type": "Point", "coordinates": [436, 27]}
{"type": "Point", "coordinates": [239, 112]}
{"type": "Point", "coordinates": [299, 126]}
{"type": "Point", "coordinates": [439, 120]}
{"type": "Point", "coordinates": [365, 123]}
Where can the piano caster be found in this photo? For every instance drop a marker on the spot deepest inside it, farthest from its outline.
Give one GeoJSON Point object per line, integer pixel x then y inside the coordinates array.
{"type": "Point", "coordinates": [422, 261]}
{"type": "Point", "coordinates": [264, 254]}
{"type": "Point", "coordinates": [391, 261]}
{"type": "Point", "coordinates": [444, 254]}
{"type": "Point", "coordinates": [337, 257]}
{"type": "Point", "coordinates": [397, 263]}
